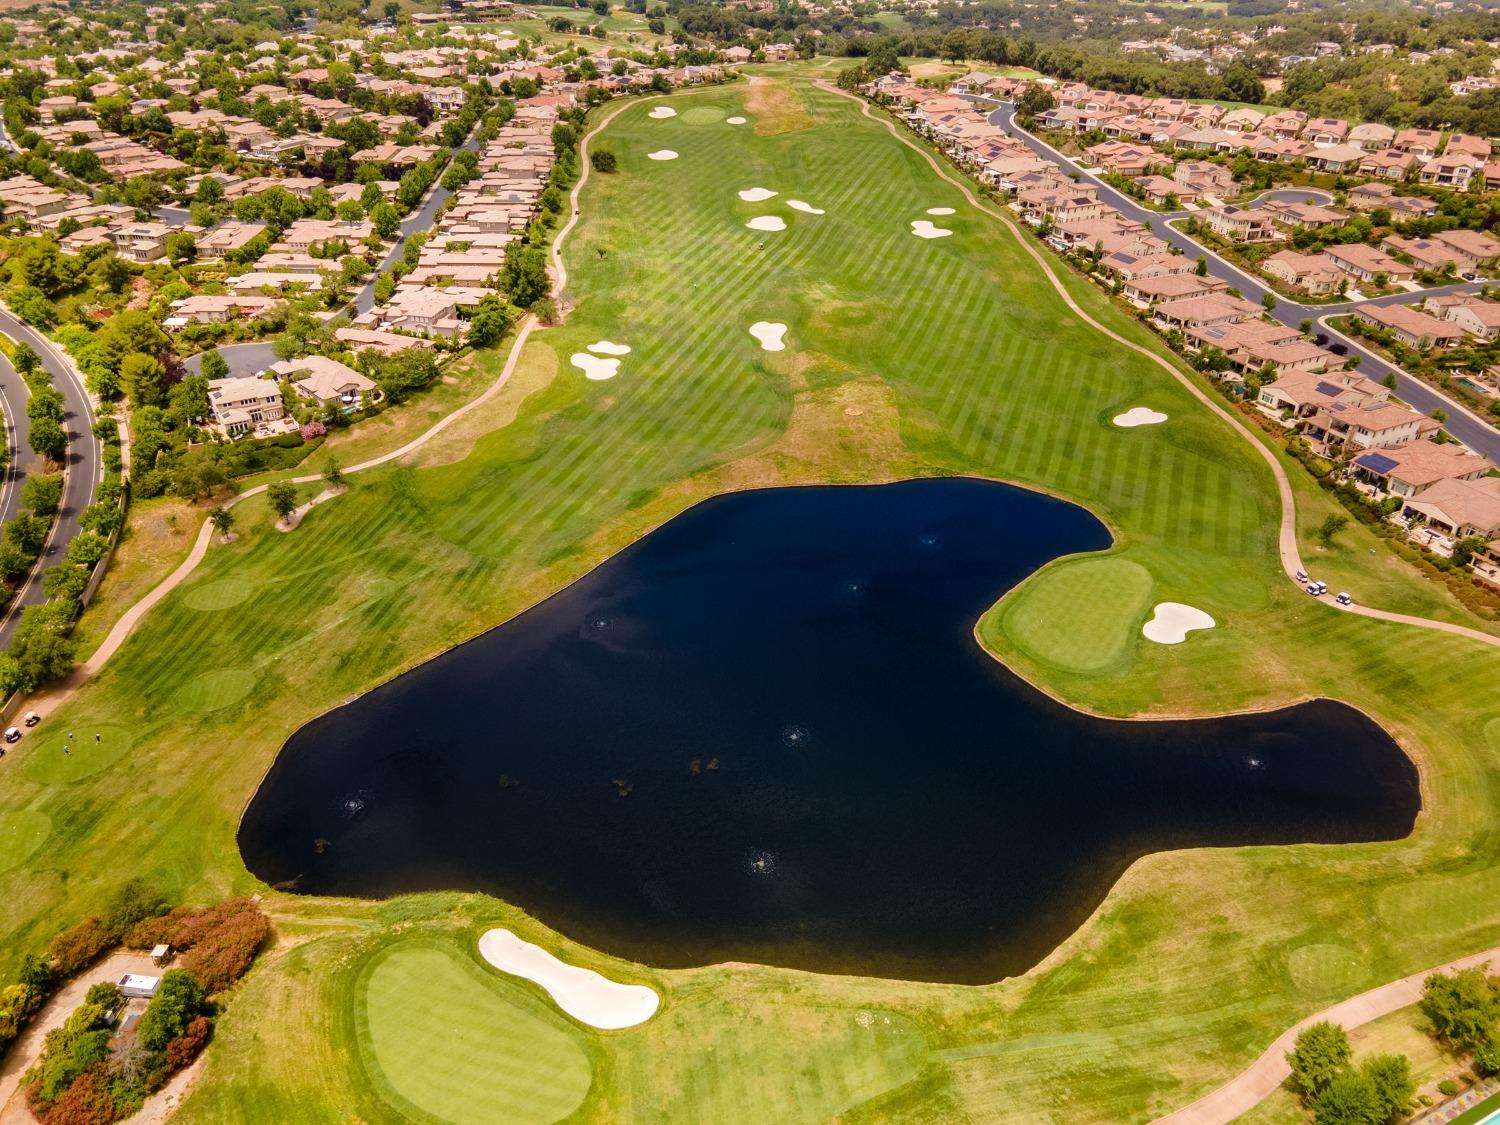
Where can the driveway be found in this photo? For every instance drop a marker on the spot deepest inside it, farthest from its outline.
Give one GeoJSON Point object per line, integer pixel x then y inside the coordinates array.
{"type": "Point", "coordinates": [243, 359]}
{"type": "Point", "coordinates": [1464, 424]}
{"type": "Point", "coordinates": [84, 462]}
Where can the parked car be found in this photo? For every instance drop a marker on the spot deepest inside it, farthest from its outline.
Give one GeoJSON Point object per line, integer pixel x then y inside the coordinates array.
{"type": "Point", "coordinates": [12, 734]}
{"type": "Point", "coordinates": [1317, 589]}
{"type": "Point", "coordinates": [1302, 576]}
{"type": "Point", "coordinates": [1344, 599]}
{"type": "Point", "coordinates": [31, 719]}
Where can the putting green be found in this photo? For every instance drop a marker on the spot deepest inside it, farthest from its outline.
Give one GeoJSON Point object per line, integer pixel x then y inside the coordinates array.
{"type": "Point", "coordinates": [21, 833]}
{"type": "Point", "coordinates": [1082, 615]}
{"type": "Point", "coordinates": [460, 1046]}
{"type": "Point", "coordinates": [223, 594]}
{"type": "Point", "coordinates": [702, 115]}
{"type": "Point", "coordinates": [213, 690]}
{"type": "Point", "coordinates": [46, 762]}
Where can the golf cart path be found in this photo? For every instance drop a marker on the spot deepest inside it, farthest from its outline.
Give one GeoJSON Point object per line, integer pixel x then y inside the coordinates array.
{"type": "Point", "coordinates": [1247, 1089]}
{"type": "Point", "coordinates": [51, 699]}
{"type": "Point", "coordinates": [1291, 558]}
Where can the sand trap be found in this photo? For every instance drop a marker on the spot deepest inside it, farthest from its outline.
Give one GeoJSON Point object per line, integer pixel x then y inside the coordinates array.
{"type": "Point", "coordinates": [1173, 621]}
{"type": "Point", "coordinates": [735, 120]}
{"type": "Point", "coordinates": [662, 154]}
{"type": "Point", "coordinates": [609, 347]}
{"type": "Point", "coordinates": [798, 205]}
{"type": "Point", "coordinates": [1139, 416]}
{"type": "Point", "coordinates": [756, 194]}
{"type": "Point", "coordinates": [595, 368]}
{"type": "Point", "coordinates": [587, 996]}
{"type": "Point", "coordinates": [662, 112]}
{"type": "Point", "coordinates": [767, 222]}
{"type": "Point", "coordinates": [769, 333]}
{"type": "Point", "coordinates": [940, 210]}
{"type": "Point", "coordinates": [923, 229]}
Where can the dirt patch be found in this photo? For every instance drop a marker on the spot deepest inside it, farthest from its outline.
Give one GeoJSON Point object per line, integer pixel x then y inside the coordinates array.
{"type": "Point", "coordinates": [775, 107]}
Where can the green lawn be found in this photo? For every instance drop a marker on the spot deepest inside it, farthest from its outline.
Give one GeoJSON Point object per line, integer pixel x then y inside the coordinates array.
{"type": "Point", "coordinates": [904, 357]}
{"type": "Point", "coordinates": [447, 1040]}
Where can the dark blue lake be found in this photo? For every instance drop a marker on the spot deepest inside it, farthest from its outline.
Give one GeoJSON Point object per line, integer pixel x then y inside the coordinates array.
{"type": "Point", "coordinates": [766, 733]}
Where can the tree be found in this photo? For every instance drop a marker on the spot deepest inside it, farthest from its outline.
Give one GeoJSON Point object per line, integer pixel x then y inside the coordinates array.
{"type": "Point", "coordinates": [1463, 1007]}
{"type": "Point", "coordinates": [1439, 414]}
{"type": "Point", "coordinates": [1201, 269]}
{"type": "Point", "coordinates": [385, 288]}
{"type": "Point", "coordinates": [182, 247]}
{"type": "Point", "coordinates": [144, 379]}
{"type": "Point", "coordinates": [1320, 1053]}
{"type": "Point", "coordinates": [1391, 1077]}
{"type": "Point", "coordinates": [283, 498]}
{"type": "Point", "coordinates": [48, 439]}
{"type": "Point", "coordinates": [223, 520]}
{"type": "Point", "coordinates": [43, 494]}
{"type": "Point", "coordinates": [333, 472]}
{"type": "Point", "coordinates": [1035, 100]}
{"type": "Point", "coordinates": [178, 1001]}
{"type": "Point", "coordinates": [40, 648]}
{"type": "Point", "coordinates": [1268, 302]}
{"type": "Point", "coordinates": [214, 366]}
{"type": "Point", "coordinates": [1348, 1099]}
{"type": "Point", "coordinates": [26, 360]}
{"type": "Point", "coordinates": [1329, 529]}
{"type": "Point", "coordinates": [523, 277]}
{"type": "Point", "coordinates": [488, 324]}
{"type": "Point", "coordinates": [603, 160]}
{"type": "Point", "coordinates": [385, 219]}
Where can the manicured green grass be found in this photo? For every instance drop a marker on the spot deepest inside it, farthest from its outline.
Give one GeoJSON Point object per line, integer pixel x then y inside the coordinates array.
{"type": "Point", "coordinates": [903, 356]}
{"type": "Point", "coordinates": [449, 1042]}
{"type": "Point", "coordinates": [1078, 615]}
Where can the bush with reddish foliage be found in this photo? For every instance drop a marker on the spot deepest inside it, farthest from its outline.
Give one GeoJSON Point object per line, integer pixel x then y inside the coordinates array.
{"type": "Point", "coordinates": [218, 943]}
{"type": "Point", "coordinates": [86, 1102]}
{"type": "Point", "coordinates": [77, 948]}
{"type": "Point", "coordinates": [312, 430]}
{"type": "Point", "coordinates": [184, 1049]}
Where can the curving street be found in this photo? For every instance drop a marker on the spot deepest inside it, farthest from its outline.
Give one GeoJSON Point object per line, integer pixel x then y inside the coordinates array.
{"type": "Point", "coordinates": [1471, 429]}
{"type": "Point", "coordinates": [84, 464]}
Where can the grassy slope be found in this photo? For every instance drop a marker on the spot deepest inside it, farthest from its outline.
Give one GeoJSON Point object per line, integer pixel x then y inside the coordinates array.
{"type": "Point", "coordinates": [905, 356]}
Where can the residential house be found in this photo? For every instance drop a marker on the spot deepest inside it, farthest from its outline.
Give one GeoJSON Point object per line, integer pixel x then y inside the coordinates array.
{"type": "Point", "coordinates": [1388, 164]}
{"type": "Point", "coordinates": [1372, 137]}
{"type": "Point", "coordinates": [1347, 428]}
{"type": "Point", "coordinates": [1475, 249]}
{"type": "Point", "coordinates": [140, 242]}
{"type": "Point", "coordinates": [1213, 308]}
{"type": "Point", "coordinates": [1161, 192]}
{"type": "Point", "coordinates": [1460, 509]}
{"type": "Point", "coordinates": [1296, 216]}
{"type": "Point", "coordinates": [1454, 170]}
{"type": "Point", "coordinates": [1312, 273]}
{"type": "Point", "coordinates": [1299, 395]}
{"type": "Point", "coordinates": [1480, 319]}
{"type": "Point", "coordinates": [1426, 254]}
{"type": "Point", "coordinates": [1325, 131]}
{"type": "Point", "coordinates": [1240, 224]}
{"type": "Point", "coordinates": [1410, 470]}
{"type": "Point", "coordinates": [1375, 196]}
{"type": "Point", "coordinates": [243, 405]}
{"type": "Point", "coordinates": [1413, 328]}
{"type": "Point", "coordinates": [326, 382]}
{"type": "Point", "coordinates": [1204, 177]}
{"type": "Point", "coordinates": [228, 237]}
{"type": "Point", "coordinates": [1421, 143]}
{"type": "Point", "coordinates": [1366, 263]}
{"type": "Point", "coordinates": [1336, 158]}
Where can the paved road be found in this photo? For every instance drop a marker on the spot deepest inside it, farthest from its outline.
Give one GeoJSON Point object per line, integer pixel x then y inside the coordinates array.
{"type": "Point", "coordinates": [1471, 429]}
{"type": "Point", "coordinates": [13, 396]}
{"type": "Point", "coordinates": [84, 463]}
{"type": "Point", "coordinates": [243, 359]}
{"type": "Point", "coordinates": [421, 219]}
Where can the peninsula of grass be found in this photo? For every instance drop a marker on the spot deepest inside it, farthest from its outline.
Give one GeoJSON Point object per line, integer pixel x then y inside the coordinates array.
{"type": "Point", "coordinates": [904, 356]}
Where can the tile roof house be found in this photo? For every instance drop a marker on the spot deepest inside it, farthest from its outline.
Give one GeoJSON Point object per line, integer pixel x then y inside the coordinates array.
{"type": "Point", "coordinates": [1411, 469]}
{"type": "Point", "coordinates": [1413, 328]}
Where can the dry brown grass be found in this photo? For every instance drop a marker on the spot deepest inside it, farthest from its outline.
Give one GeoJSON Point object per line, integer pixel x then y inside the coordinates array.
{"type": "Point", "coordinates": [775, 107]}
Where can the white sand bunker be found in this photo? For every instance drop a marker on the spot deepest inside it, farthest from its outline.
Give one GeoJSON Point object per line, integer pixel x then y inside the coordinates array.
{"type": "Point", "coordinates": [585, 995]}
{"type": "Point", "coordinates": [662, 154]}
{"type": "Point", "coordinates": [767, 222]}
{"type": "Point", "coordinates": [799, 205]}
{"type": "Point", "coordinates": [1173, 621]}
{"type": "Point", "coordinates": [756, 194]}
{"type": "Point", "coordinates": [735, 120]}
{"type": "Point", "coordinates": [923, 229]}
{"type": "Point", "coordinates": [940, 210]}
{"type": "Point", "coordinates": [662, 112]}
{"type": "Point", "coordinates": [1139, 416]}
{"type": "Point", "coordinates": [769, 333]}
{"type": "Point", "coordinates": [609, 347]}
{"type": "Point", "coordinates": [595, 368]}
